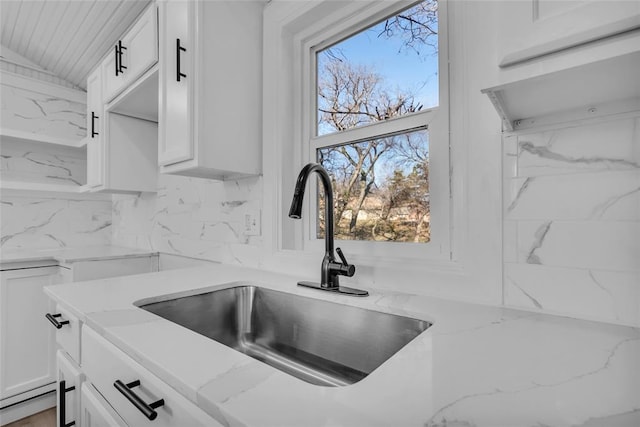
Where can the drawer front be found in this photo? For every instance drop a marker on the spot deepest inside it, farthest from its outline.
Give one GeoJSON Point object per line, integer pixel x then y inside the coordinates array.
{"type": "Point", "coordinates": [69, 381]}
{"type": "Point", "coordinates": [68, 336]}
{"type": "Point", "coordinates": [95, 411]}
{"type": "Point", "coordinates": [104, 365]}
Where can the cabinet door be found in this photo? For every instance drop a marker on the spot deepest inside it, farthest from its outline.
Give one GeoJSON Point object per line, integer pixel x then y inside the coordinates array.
{"type": "Point", "coordinates": [27, 340]}
{"type": "Point", "coordinates": [112, 82]}
{"type": "Point", "coordinates": [533, 28]}
{"type": "Point", "coordinates": [141, 46]}
{"type": "Point", "coordinates": [69, 380]}
{"type": "Point", "coordinates": [95, 411]}
{"type": "Point", "coordinates": [95, 120]}
{"type": "Point", "coordinates": [177, 52]}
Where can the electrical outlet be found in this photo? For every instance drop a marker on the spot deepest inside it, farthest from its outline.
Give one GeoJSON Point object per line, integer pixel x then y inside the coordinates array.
{"type": "Point", "coordinates": [252, 223]}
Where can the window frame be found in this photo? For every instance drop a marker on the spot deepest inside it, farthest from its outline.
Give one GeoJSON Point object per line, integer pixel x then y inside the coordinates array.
{"type": "Point", "coordinates": [435, 119]}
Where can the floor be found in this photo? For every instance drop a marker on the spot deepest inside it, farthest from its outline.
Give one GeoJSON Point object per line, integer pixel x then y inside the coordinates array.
{"type": "Point", "coordinates": [41, 419]}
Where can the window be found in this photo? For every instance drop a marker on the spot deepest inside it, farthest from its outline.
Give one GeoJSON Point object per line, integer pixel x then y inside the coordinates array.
{"type": "Point", "coordinates": [378, 122]}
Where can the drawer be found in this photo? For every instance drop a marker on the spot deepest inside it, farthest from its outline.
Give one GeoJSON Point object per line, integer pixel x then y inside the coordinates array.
{"type": "Point", "coordinates": [95, 411]}
{"type": "Point", "coordinates": [69, 380]}
{"type": "Point", "coordinates": [68, 335]}
{"type": "Point", "coordinates": [104, 364]}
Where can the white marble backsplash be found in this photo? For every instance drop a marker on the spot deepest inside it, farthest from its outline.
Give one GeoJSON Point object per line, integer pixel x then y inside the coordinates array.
{"type": "Point", "coordinates": [572, 221]}
{"type": "Point", "coordinates": [42, 163]}
{"type": "Point", "coordinates": [36, 221]}
{"type": "Point", "coordinates": [42, 114]}
{"type": "Point", "coordinates": [192, 217]}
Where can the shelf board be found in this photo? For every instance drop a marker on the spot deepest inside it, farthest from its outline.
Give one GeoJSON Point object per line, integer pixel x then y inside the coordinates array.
{"type": "Point", "coordinates": [573, 92]}
{"type": "Point", "coordinates": [51, 190]}
{"type": "Point", "coordinates": [140, 100]}
{"type": "Point", "coordinates": [20, 136]}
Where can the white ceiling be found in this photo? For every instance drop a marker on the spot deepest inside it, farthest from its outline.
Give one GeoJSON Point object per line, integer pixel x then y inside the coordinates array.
{"type": "Point", "coordinates": [66, 37]}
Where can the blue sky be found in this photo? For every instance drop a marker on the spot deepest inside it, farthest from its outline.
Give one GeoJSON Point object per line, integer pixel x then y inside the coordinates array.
{"type": "Point", "coordinates": [400, 67]}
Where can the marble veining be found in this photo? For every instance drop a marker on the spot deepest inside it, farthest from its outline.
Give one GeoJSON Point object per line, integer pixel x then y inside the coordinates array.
{"type": "Point", "coordinates": [193, 217]}
{"type": "Point", "coordinates": [33, 222]}
{"type": "Point", "coordinates": [546, 153]}
{"type": "Point", "coordinates": [539, 236]}
{"type": "Point", "coordinates": [572, 221]}
{"type": "Point", "coordinates": [42, 163]}
{"type": "Point", "coordinates": [38, 113]}
{"type": "Point", "coordinates": [476, 366]}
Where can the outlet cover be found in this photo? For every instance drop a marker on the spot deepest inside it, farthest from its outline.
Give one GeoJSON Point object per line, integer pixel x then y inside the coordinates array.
{"type": "Point", "coordinates": [252, 223]}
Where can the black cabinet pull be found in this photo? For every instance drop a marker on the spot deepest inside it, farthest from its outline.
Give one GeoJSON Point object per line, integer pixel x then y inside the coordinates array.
{"type": "Point", "coordinates": [93, 126]}
{"type": "Point", "coordinates": [178, 49]}
{"type": "Point", "coordinates": [54, 321]}
{"type": "Point", "coordinates": [147, 409]}
{"type": "Point", "coordinates": [62, 408]}
{"type": "Point", "coordinates": [121, 48]}
{"type": "Point", "coordinates": [116, 55]}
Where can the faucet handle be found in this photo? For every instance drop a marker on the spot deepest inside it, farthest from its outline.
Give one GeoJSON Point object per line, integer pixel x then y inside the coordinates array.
{"type": "Point", "coordinates": [341, 255]}
{"type": "Point", "coordinates": [347, 270]}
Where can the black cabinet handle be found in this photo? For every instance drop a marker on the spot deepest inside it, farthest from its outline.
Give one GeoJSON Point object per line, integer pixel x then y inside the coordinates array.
{"type": "Point", "coordinates": [121, 48]}
{"type": "Point", "coordinates": [178, 49]}
{"type": "Point", "coordinates": [116, 55]}
{"type": "Point", "coordinates": [54, 321]}
{"type": "Point", "coordinates": [147, 409]}
{"type": "Point", "coordinates": [93, 126]}
{"type": "Point", "coordinates": [62, 408]}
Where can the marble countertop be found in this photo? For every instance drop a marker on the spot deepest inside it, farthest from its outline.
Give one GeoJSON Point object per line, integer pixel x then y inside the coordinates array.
{"type": "Point", "coordinates": [476, 366]}
{"type": "Point", "coordinates": [70, 254]}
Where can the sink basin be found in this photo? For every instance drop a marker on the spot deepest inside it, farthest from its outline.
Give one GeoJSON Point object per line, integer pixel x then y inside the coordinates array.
{"type": "Point", "coordinates": [317, 341]}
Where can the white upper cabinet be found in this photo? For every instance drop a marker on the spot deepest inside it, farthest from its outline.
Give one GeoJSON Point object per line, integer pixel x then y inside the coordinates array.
{"type": "Point", "coordinates": [140, 46]}
{"type": "Point", "coordinates": [122, 135]}
{"type": "Point", "coordinates": [95, 117]}
{"type": "Point", "coordinates": [176, 140]}
{"type": "Point", "coordinates": [541, 27]}
{"type": "Point", "coordinates": [132, 55]}
{"type": "Point", "coordinates": [113, 81]}
{"type": "Point", "coordinates": [210, 88]}
{"type": "Point", "coordinates": [564, 61]}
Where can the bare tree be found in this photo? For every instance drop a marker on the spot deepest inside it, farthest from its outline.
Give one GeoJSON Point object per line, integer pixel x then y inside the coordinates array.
{"type": "Point", "coordinates": [351, 95]}
{"type": "Point", "coordinates": [417, 26]}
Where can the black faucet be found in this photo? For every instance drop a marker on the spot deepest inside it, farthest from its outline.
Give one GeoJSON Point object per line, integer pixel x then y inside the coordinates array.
{"type": "Point", "coordinates": [330, 270]}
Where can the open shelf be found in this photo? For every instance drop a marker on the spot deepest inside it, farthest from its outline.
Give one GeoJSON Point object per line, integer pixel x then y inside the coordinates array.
{"type": "Point", "coordinates": [140, 100]}
{"type": "Point", "coordinates": [51, 190]}
{"type": "Point", "coordinates": [605, 87]}
{"type": "Point", "coordinates": [19, 135]}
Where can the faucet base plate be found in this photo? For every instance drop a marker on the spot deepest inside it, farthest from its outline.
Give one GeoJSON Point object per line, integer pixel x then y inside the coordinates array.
{"type": "Point", "coordinates": [338, 289]}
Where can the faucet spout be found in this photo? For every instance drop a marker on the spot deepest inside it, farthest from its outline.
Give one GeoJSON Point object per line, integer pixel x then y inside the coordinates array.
{"type": "Point", "coordinates": [330, 269]}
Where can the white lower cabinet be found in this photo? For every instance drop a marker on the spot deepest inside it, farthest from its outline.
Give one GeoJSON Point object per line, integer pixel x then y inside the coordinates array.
{"type": "Point", "coordinates": [69, 381]}
{"type": "Point", "coordinates": [95, 411]}
{"type": "Point", "coordinates": [137, 395]}
{"type": "Point", "coordinates": [27, 342]}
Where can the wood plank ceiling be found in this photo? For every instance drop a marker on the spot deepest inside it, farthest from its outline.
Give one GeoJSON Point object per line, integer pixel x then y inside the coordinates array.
{"type": "Point", "coordinates": [66, 37]}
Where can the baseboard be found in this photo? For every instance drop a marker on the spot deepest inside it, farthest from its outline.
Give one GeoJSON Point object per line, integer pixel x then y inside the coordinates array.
{"type": "Point", "coordinates": [28, 407]}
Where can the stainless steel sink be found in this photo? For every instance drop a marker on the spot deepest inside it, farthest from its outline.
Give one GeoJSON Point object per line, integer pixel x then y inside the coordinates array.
{"type": "Point", "coordinates": [320, 342]}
